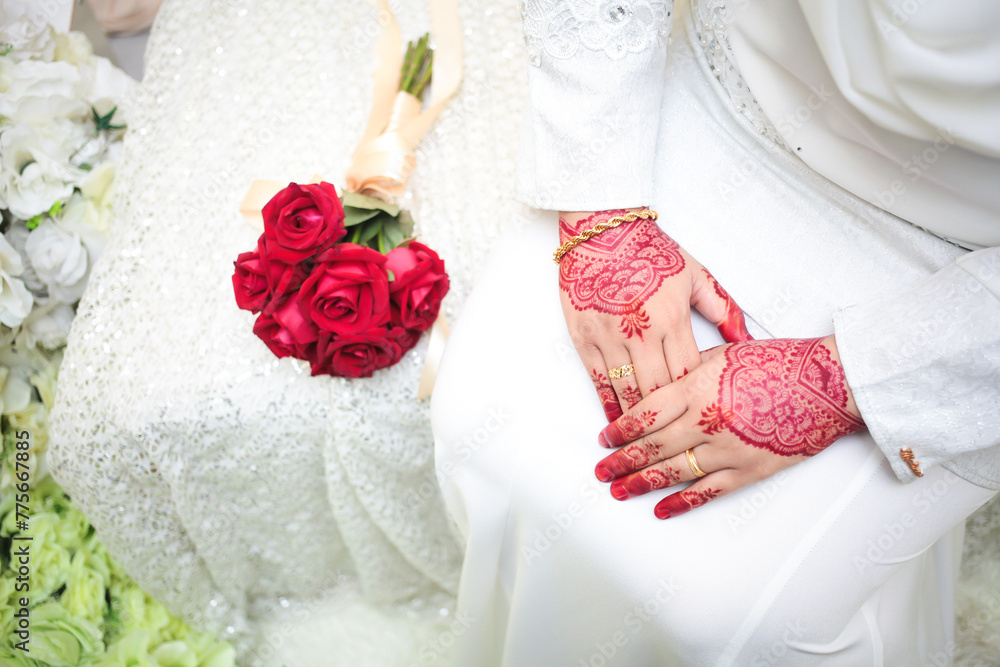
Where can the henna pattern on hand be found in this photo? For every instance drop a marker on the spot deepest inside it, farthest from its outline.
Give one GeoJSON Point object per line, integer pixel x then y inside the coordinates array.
{"type": "Point", "coordinates": [631, 395]}
{"type": "Point", "coordinates": [617, 271]}
{"type": "Point", "coordinates": [786, 396]}
{"type": "Point", "coordinates": [606, 393]}
{"type": "Point", "coordinates": [734, 327]}
{"type": "Point", "coordinates": [684, 501]}
{"type": "Point", "coordinates": [644, 481]}
{"type": "Point", "coordinates": [626, 428]}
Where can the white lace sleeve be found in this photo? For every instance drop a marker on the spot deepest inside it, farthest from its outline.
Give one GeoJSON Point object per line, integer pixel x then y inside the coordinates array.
{"type": "Point", "coordinates": [595, 88]}
{"type": "Point", "coordinates": [924, 367]}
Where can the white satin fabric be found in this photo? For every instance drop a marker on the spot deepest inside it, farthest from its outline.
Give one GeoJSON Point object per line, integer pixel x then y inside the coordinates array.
{"type": "Point", "coordinates": [835, 562]}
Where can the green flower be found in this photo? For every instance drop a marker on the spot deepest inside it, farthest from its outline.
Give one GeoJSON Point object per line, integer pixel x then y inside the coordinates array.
{"type": "Point", "coordinates": [132, 650]}
{"type": "Point", "coordinates": [84, 594]}
{"type": "Point", "coordinates": [60, 640]}
{"type": "Point", "coordinates": [8, 601]}
{"type": "Point", "coordinates": [175, 654]}
{"type": "Point", "coordinates": [210, 651]}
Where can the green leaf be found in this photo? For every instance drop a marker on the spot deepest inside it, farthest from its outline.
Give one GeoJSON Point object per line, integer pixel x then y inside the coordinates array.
{"type": "Point", "coordinates": [354, 216]}
{"type": "Point", "coordinates": [394, 233]}
{"type": "Point", "coordinates": [381, 243]}
{"type": "Point", "coordinates": [56, 209]}
{"type": "Point", "coordinates": [33, 222]}
{"type": "Point", "coordinates": [392, 276]}
{"type": "Point", "coordinates": [406, 223]}
{"type": "Point", "coordinates": [357, 200]}
{"type": "Point", "coordinates": [369, 231]}
{"type": "Point", "coordinates": [104, 123]}
{"type": "Point", "coordinates": [6, 48]}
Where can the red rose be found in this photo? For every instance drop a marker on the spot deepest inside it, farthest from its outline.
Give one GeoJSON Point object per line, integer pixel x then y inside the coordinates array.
{"type": "Point", "coordinates": [303, 220]}
{"type": "Point", "coordinates": [282, 278]}
{"type": "Point", "coordinates": [419, 286]}
{"type": "Point", "coordinates": [250, 281]}
{"type": "Point", "coordinates": [358, 355]}
{"type": "Point", "coordinates": [287, 333]}
{"type": "Point", "coordinates": [348, 290]}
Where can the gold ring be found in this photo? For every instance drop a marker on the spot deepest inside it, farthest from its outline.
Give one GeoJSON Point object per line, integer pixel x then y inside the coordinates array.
{"type": "Point", "coordinates": [621, 372]}
{"type": "Point", "coordinates": [698, 472]}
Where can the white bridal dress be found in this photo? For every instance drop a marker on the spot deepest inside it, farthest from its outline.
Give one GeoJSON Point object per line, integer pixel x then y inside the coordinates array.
{"type": "Point", "coordinates": [298, 516]}
{"type": "Point", "coordinates": [848, 558]}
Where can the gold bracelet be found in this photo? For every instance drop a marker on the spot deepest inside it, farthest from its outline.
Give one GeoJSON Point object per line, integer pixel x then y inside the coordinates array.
{"type": "Point", "coordinates": [587, 234]}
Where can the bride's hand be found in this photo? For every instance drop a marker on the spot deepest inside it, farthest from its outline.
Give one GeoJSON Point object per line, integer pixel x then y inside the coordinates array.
{"type": "Point", "coordinates": [747, 412]}
{"type": "Point", "coordinates": [627, 295]}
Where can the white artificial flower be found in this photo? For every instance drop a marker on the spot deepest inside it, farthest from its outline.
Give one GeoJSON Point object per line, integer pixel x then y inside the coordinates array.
{"type": "Point", "coordinates": [17, 236]}
{"type": "Point", "coordinates": [24, 24]}
{"type": "Point", "coordinates": [62, 253]}
{"type": "Point", "coordinates": [60, 260]}
{"type": "Point", "coordinates": [15, 299]}
{"type": "Point", "coordinates": [33, 90]}
{"type": "Point", "coordinates": [35, 168]}
{"type": "Point", "coordinates": [96, 190]}
{"type": "Point", "coordinates": [73, 47]}
{"type": "Point", "coordinates": [47, 325]}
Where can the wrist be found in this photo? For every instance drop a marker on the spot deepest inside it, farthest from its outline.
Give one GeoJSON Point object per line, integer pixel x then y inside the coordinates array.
{"type": "Point", "coordinates": [830, 343]}
{"type": "Point", "coordinates": [572, 223]}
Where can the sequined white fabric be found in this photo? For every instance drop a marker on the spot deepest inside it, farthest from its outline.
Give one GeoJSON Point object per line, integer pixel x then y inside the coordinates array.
{"type": "Point", "coordinates": [223, 479]}
{"type": "Point", "coordinates": [617, 28]}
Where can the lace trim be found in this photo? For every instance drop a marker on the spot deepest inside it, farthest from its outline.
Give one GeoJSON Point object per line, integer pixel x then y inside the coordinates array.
{"type": "Point", "coordinates": [618, 28]}
{"type": "Point", "coordinates": [710, 19]}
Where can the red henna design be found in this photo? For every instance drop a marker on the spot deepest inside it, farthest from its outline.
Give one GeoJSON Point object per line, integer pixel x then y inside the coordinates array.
{"type": "Point", "coordinates": [678, 503]}
{"type": "Point", "coordinates": [734, 327]}
{"type": "Point", "coordinates": [631, 395]}
{"type": "Point", "coordinates": [626, 428]}
{"type": "Point", "coordinates": [617, 271]}
{"type": "Point", "coordinates": [644, 481]}
{"type": "Point", "coordinates": [786, 396]}
{"type": "Point", "coordinates": [606, 393]}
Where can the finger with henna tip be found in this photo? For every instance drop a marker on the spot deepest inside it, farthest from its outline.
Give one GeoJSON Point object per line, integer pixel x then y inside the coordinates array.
{"type": "Point", "coordinates": [668, 443]}
{"type": "Point", "coordinates": [626, 388]}
{"type": "Point", "coordinates": [593, 361]}
{"type": "Point", "coordinates": [715, 303]}
{"type": "Point", "coordinates": [650, 414]}
{"type": "Point", "coordinates": [658, 476]}
{"type": "Point", "coordinates": [706, 489]}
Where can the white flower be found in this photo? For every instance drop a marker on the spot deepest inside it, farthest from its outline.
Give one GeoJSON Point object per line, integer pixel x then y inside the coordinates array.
{"type": "Point", "coordinates": [60, 260]}
{"type": "Point", "coordinates": [48, 325]}
{"type": "Point", "coordinates": [15, 299]}
{"type": "Point", "coordinates": [73, 47]}
{"type": "Point", "coordinates": [35, 90]}
{"type": "Point", "coordinates": [24, 24]}
{"type": "Point", "coordinates": [35, 169]}
{"type": "Point", "coordinates": [17, 236]}
{"type": "Point", "coordinates": [62, 253]}
{"type": "Point", "coordinates": [96, 190]}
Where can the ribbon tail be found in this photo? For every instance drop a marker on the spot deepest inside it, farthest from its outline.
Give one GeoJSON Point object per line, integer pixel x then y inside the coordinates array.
{"type": "Point", "coordinates": [435, 350]}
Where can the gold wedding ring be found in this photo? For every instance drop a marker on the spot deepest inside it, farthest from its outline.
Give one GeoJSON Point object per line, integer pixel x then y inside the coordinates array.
{"type": "Point", "coordinates": [693, 464]}
{"type": "Point", "coordinates": [621, 372]}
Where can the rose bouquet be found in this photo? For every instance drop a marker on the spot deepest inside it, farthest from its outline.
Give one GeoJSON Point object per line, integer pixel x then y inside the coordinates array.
{"type": "Point", "coordinates": [337, 280]}
{"type": "Point", "coordinates": [325, 292]}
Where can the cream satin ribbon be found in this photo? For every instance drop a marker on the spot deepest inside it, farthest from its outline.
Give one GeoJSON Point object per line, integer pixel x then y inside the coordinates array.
{"type": "Point", "coordinates": [384, 159]}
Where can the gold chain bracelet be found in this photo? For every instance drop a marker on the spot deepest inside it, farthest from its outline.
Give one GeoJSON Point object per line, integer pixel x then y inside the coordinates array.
{"type": "Point", "coordinates": [587, 234]}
